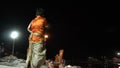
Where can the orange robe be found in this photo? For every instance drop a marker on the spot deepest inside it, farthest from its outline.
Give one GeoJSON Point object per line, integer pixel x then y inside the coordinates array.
{"type": "Point", "coordinates": [37, 26]}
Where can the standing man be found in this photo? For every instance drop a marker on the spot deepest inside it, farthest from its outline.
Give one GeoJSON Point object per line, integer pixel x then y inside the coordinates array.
{"type": "Point", "coordinates": [36, 53]}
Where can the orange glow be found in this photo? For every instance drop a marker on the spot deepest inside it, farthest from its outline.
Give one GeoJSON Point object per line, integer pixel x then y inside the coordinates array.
{"type": "Point", "coordinates": [59, 58]}
{"type": "Point", "coordinates": [61, 54]}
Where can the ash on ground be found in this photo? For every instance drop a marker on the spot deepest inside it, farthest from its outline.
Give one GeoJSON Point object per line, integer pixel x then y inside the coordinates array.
{"type": "Point", "coordinates": [13, 62]}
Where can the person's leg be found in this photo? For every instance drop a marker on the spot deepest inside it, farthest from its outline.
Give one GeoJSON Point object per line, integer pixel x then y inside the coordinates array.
{"type": "Point", "coordinates": [38, 56]}
{"type": "Point", "coordinates": [29, 54]}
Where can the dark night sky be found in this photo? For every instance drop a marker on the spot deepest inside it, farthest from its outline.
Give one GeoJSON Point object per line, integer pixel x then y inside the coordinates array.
{"type": "Point", "coordinates": [72, 28]}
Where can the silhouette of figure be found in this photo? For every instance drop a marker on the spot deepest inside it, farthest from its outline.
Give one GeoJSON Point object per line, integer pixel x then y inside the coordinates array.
{"type": "Point", "coordinates": [36, 53]}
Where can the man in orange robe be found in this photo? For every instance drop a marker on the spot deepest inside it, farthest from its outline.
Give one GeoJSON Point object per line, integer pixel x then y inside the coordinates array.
{"type": "Point", "coordinates": [36, 54]}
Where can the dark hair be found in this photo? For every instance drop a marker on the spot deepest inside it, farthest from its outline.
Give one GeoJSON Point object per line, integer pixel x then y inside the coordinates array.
{"type": "Point", "coordinates": [40, 12]}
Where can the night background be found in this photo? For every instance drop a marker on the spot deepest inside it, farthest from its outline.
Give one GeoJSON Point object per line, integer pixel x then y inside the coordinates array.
{"type": "Point", "coordinates": [71, 28]}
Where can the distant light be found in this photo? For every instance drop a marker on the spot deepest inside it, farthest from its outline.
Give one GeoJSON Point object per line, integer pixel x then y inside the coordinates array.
{"type": "Point", "coordinates": [46, 36]}
{"type": "Point", "coordinates": [119, 64]}
{"type": "Point", "coordinates": [118, 53]}
{"type": "Point", "coordinates": [14, 34]}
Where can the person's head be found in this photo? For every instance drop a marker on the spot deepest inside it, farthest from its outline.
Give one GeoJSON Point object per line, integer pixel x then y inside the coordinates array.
{"type": "Point", "coordinates": [40, 12]}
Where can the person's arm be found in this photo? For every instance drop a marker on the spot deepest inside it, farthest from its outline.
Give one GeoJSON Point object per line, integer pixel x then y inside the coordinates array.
{"type": "Point", "coordinates": [28, 28]}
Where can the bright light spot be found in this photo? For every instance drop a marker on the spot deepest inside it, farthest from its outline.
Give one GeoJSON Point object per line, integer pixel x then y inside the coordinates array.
{"type": "Point", "coordinates": [46, 36]}
{"type": "Point", "coordinates": [119, 67]}
{"type": "Point", "coordinates": [119, 64]}
{"type": "Point", "coordinates": [14, 34]}
{"type": "Point", "coordinates": [118, 53]}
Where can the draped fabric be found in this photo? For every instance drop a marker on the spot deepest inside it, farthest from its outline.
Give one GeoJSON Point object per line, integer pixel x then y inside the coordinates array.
{"type": "Point", "coordinates": [36, 52]}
